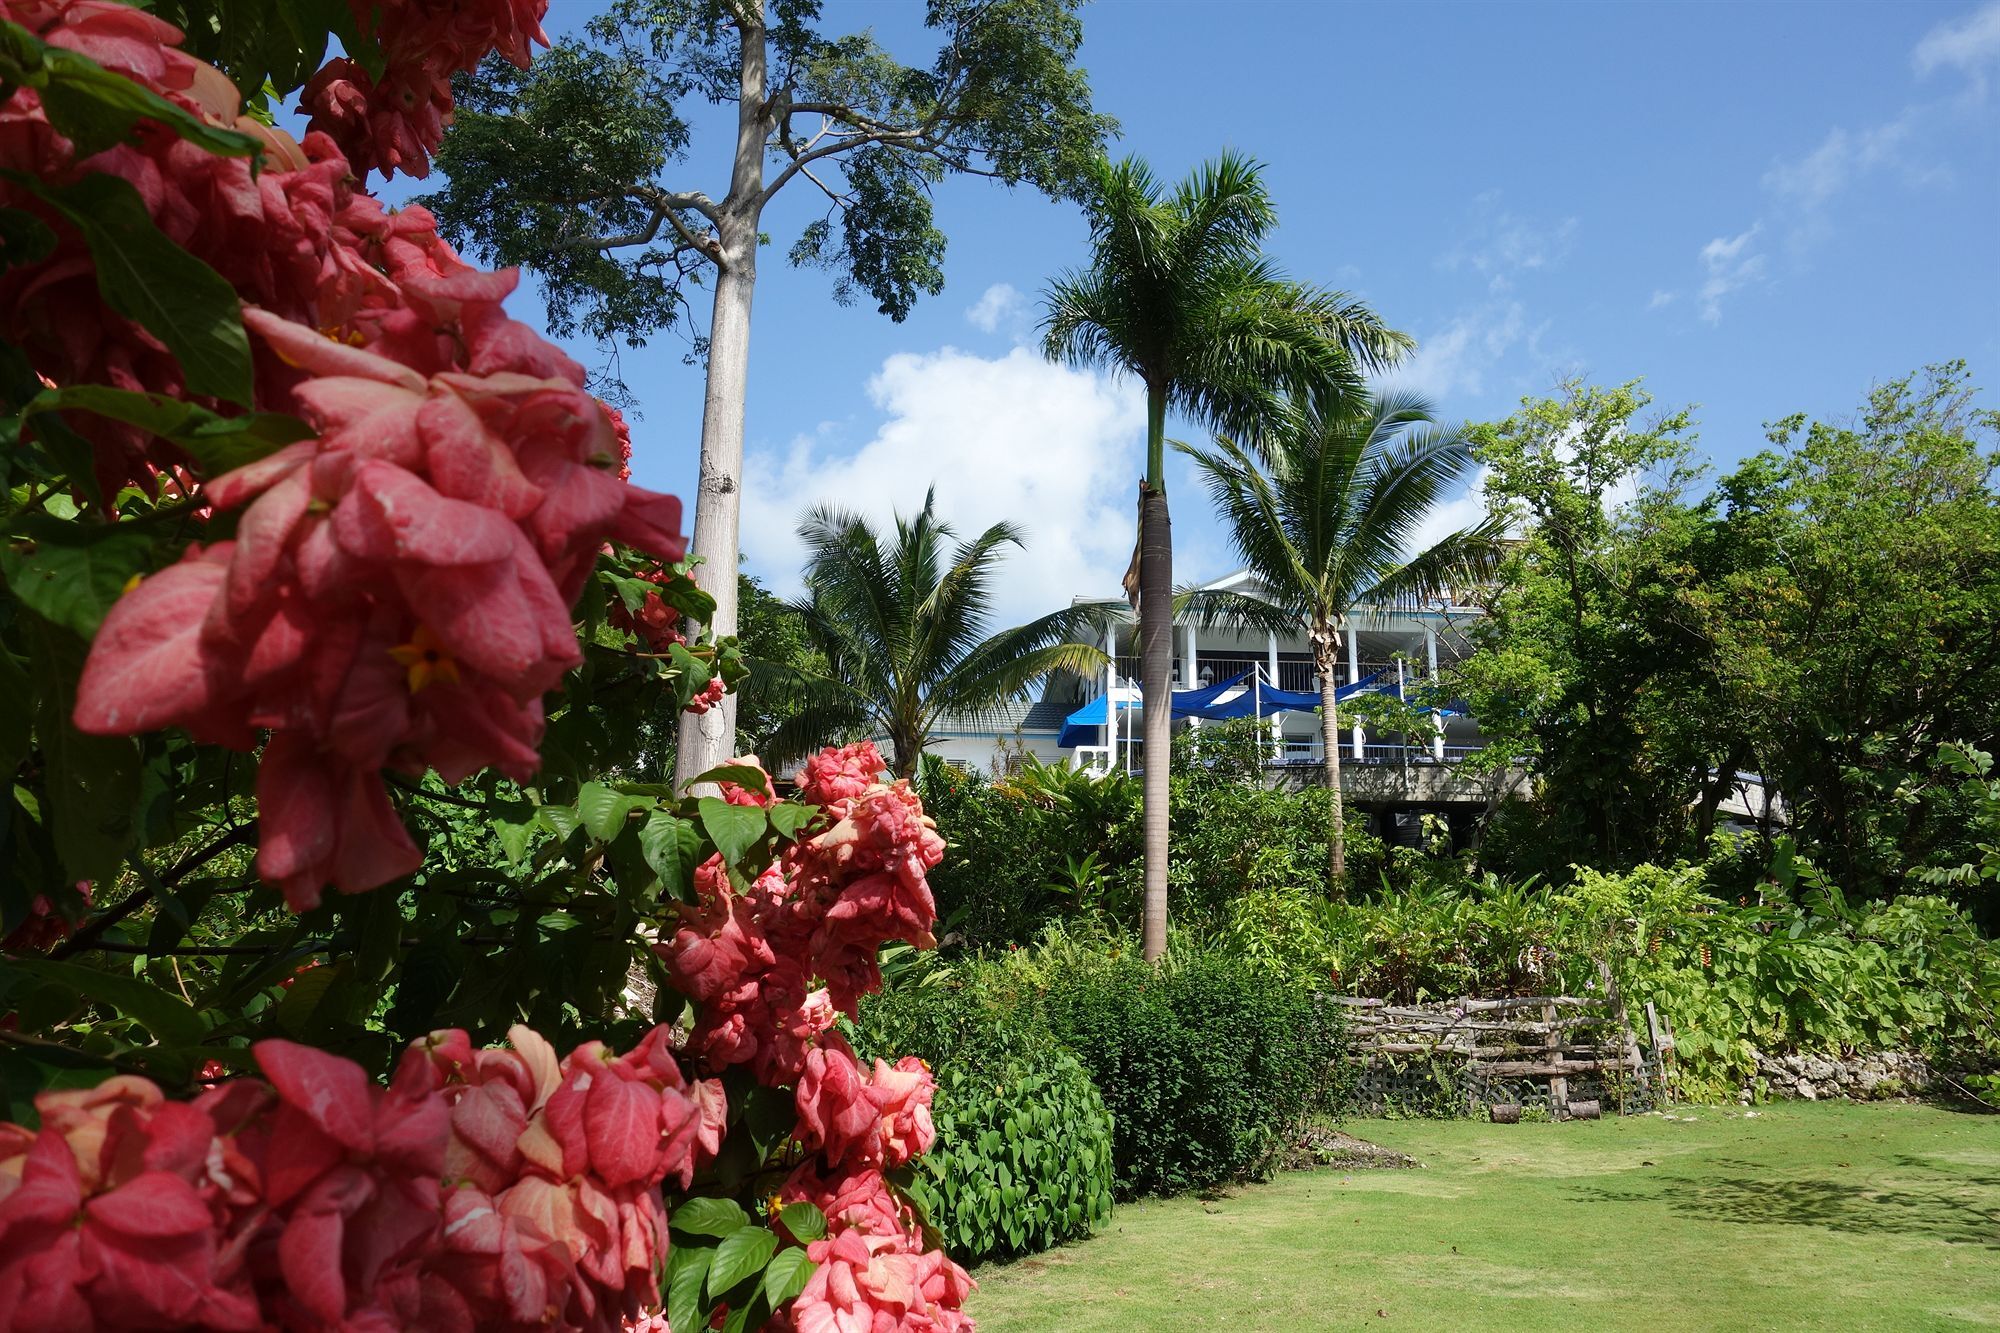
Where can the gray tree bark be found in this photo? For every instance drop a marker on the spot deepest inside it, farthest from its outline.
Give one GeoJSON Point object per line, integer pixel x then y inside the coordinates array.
{"type": "Point", "coordinates": [710, 738]}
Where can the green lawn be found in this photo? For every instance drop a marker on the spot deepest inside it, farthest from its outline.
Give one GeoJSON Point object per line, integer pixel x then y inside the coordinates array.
{"type": "Point", "coordinates": [1803, 1216]}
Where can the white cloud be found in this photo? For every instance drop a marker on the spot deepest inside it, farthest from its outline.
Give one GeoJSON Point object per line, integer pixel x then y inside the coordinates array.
{"type": "Point", "coordinates": [1462, 511]}
{"type": "Point", "coordinates": [1801, 190]}
{"type": "Point", "coordinates": [1728, 263]}
{"type": "Point", "coordinates": [1456, 360]}
{"type": "Point", "coordinates": [1839, 160]}
{"type": "Point", "coordinates": [1054, 450]}
{"type": "Point", "coordinates": [999, 306]}
{"type": "Point", "coordinates": [1968, 44]}
{"type": "Point", "coordinates": [1502, 244]}
{"type": "Point", "coordinates": [1661, 297]}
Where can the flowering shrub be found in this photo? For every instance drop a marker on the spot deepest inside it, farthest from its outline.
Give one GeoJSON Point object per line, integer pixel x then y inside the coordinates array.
{"type": "Point", "coordinates": [394, 123]}
{"type": "Point", "coordinates": [289, 482]}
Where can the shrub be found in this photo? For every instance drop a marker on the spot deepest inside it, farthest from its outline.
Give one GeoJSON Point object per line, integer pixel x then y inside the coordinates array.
{"type": "Point", "coordinates": [1043, 844]}
{"type": "Point", "coordinates": [1023, 1159]}
{"type": "Point", "coordinates": [1207, 1064]}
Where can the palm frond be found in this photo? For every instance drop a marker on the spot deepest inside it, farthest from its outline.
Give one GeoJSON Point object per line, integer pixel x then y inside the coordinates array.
{"type": "Point", "coordinates": [820, 710]}
{"type": "Point", "coordinates": [1221, 608]}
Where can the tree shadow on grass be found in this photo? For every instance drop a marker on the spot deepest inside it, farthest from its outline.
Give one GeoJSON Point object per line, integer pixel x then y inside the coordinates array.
{"type": "Point", "coordinates": [1960, 1210]}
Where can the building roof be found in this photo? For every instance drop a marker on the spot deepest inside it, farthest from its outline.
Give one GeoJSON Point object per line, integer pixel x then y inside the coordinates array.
{"type": "Point", "coordinates": [1016, 715]}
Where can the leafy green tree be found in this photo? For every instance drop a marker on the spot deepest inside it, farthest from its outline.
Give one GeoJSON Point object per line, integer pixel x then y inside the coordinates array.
{"type": "Point", "coordinates": [1324, 515]}
{"type": "Point", "coordinates": [1819, 617]}
{"type": "Point", "coordinates": [900, 622]}
{"type": "Point", "coordinates": [1861, 626]}
{"type": "Point", "coordinates": [1180, 296]}
{"type": "Point", "coordinates": [574, 170]}
{"type": "Point", "coordinates": [1579, 630]}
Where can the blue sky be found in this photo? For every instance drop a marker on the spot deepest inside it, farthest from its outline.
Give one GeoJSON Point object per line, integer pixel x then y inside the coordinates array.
{"type": "Point", "coordinates": [1760, 208]}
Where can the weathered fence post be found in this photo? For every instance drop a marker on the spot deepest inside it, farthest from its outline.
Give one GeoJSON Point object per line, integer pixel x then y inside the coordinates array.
{"type": "Point", "coordinates": [1552, 1044]}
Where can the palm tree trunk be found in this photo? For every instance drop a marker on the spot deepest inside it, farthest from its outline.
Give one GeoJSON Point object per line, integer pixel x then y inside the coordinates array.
{"type": "Point", "coordinates": [1156, 665]}
{"type": "Point", "coordinates": [1326, 658]}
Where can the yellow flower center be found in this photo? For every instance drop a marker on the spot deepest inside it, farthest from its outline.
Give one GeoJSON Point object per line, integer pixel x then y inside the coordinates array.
{"type": "Point", "coordinates": [426, 660]}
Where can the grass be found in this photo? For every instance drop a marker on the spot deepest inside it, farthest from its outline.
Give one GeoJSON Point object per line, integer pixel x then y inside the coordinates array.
{"type": "Point", "coordinates": [1805, 1215]}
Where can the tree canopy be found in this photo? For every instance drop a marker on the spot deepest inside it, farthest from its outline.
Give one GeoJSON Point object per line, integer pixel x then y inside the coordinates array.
{"type": "Point", "coordinates": [578, 168]}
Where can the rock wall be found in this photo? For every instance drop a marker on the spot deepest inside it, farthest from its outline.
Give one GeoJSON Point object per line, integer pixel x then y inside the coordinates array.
{"type": "Point", "coordinates": [1863, 1076]}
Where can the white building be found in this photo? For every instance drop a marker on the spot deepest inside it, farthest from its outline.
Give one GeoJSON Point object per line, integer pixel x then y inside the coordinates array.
{"type": "Point", "coordinates": [1399, 648]}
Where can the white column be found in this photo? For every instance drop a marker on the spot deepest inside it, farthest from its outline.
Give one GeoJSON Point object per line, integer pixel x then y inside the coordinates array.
{"type": "Point", "coordinates": [1191, 664]}
{"type": "Point", "coordinates": [1111, 693]}
{"type": "Point", "coordinates": [1437, 716]}
{"type": "Point", "coordinates": [1277, 719]}
{"type": "Point", "coordinates": [1354, 674]}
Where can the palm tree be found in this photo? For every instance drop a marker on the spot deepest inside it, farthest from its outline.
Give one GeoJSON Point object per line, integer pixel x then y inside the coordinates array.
{"type": "Point", "coordinates": [1324, 513]}
{"type": "Point", "coordinates": [1180, 296]}
{"type": "Point", "coordinates": [901, 623]}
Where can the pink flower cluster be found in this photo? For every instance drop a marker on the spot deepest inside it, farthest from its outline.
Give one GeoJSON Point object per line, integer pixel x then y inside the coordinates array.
{"type": "Point", "coordinates": [821, 911]}
{"type": "Point", "coordinates": [395, 125]}
{"type": "Point", "coordinates": [874, 1274]}
{"type": "Point", "coordinates": [494, 1189]}
{"type": "Point", "coordinates": [750, 961]}
{"type": "Point", "coordinates": [397, 592]}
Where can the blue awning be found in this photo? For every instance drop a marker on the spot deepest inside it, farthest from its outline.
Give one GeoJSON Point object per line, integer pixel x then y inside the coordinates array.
{"type": "Point", "coordinates": [1086, 725]}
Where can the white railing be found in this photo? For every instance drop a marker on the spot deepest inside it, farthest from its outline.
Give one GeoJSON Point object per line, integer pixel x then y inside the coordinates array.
{"type": "Point", "coordinates": [1310, 752]}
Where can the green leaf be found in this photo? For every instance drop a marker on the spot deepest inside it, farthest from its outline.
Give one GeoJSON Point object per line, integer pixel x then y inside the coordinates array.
{"type": "Point", "coordinates": [92, 781]}
{"type": "Point", "coordinates": [603, 810]}
{"type": "Point", "coordinates": [685, 1277]}
{"type": "Point", "coordinates": [95, 108]}
{"type": "Point", "coordinates": [299, 1009]}
{"type": "Point", "coordinates": [24, 238]}
{"type": "Point", "coordinates": [804, 1220]}
{"type": "Point", "coordinates": [709, 1216]}
{"type": "Point", "coordinates": [147, 278]}
{"type": "Point", "coordinates": [741, 1254]}
{"type": "Point", "coordinates": [734, 829]}
{"type": "Point", "coordinates": [217, 443]}
{"type": "Point", "coordinates": [558, 819]}
{"type": "Point", "coordinates": [513, 839]}
{"type": "Point", "coordinates": [168, 1017]}
{"type": "Point", "coordinates": [747, 776]}
{"type": "Point", "coordinates": [788, 817]}
{"type": "Point", "coordinates": [70, 573]}
{"type": "Point", "coordinates": [672, 847]}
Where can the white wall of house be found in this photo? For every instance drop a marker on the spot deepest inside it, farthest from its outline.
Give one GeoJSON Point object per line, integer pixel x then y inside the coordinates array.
{"type": "Point", "coordinates": [979, 752]}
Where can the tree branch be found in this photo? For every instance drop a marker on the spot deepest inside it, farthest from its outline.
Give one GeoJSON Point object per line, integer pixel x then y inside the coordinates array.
{"type": "Point", "coordinates": [87, 937]}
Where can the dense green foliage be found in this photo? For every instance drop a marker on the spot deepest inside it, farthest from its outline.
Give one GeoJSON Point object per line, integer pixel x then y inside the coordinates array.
{"type": "Point", "coordinates": [1822, 616]}
{"type": "Point", "coordinates": [1042, 844]}
{"type": "Point", "coordinates": [1208, 1065]}
{"type": "Point", "coordinates": [1023, 1158]}
{"type": "Point", "coordinates": [1797, 970]}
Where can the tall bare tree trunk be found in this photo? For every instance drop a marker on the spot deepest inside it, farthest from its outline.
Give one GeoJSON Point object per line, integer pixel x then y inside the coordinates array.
{"type": "Point", "coordinates": [1326, 657]}
{"type": "Point", "coordinates": [1156, 665]}
{"type": "Point", "coordinates": [710, 738]}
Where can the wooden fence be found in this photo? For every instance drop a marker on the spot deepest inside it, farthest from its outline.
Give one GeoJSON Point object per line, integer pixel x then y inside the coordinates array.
{"type": "Point", "coordinates": [1542, 1039]}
